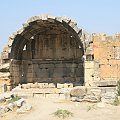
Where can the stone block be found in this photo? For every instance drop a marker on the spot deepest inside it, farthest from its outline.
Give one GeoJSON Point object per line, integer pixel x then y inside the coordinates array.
{"type": "Point", "coordinates": [3, 88]}
{"type": "Point", "coordinates": [108, 97]}
{"type": "Point", "coordinates": [40, 85]}
{"type": "Point", "coordinates": [66, 19]}
{"type": "Point", "coordinates": [91, 98]}
{"type": "Point", "coordinates": [28, 85]}
{"type": "Point", "coordinates": [77, 29]}
{"type": "Point", "coordinates": [52, 85]}
{"type": "Point", "coordinates": [5, 55]}
{"type": "Point", "coordinates": [89, 72]}
{"type": "Point", "coordinates": [59, 19]}
{"type": "Point", "coordinates": [24, 86]}
{"type": "Point", "coordinates": [89, 64]}
{"type": "Point", "coordinates": [72, 24]}
{"type": "Point", "coordinates": [89, 76]}
{"type": "Point", "coordinates": [9, 87]}
{"type": "Point", "coordinates": [51, 17]}
{"type": "Point", "coordinates": [105, 83]}
{"type": "Point", "coordinates": [69, 79]}
{"type": "Point", "coordinates": [29, 75]}
{"type": "Point", "coordinates": [24, 108]}
{"type": "Point", "coordinates": [108, 71]}
{"type": "Point", "coordinates": [78, 91]}
{"type": "Point", "coordinates": [68, 85]}
{"type": "Point", "coordinates": [93, 91]}
{"type": "Point", "coordinates": [59, 86]}
{"type": "Point", "coordinates": [45, 85]}
{"type": "Point", "coordinates": [108, 89]}
{"type": "Point", "coordinates": [44, 16]}
{"type": "Point", "coordinates": [35, 85]}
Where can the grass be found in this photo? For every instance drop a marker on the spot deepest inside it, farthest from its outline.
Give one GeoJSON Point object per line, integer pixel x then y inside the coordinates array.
{"type": "Point", "coordinates": [91, 107]}
{"type": "Point", "coordinates": [116, 102]}
{"type": "Point", "coordinates": [118, 88]}
{"type": "Point", "coordinates": [13, 99]}
{"type": "Point", "coordinates": [63, 113]}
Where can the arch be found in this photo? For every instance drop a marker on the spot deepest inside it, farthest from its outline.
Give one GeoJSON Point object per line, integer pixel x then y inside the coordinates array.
{"type": "Point", "coordinates": [18, 37]}
{"type": "Point", "coordinates": [40, 25]}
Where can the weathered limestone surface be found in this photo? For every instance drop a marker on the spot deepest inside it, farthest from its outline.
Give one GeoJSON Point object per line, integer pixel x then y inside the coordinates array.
{"type": "Point", "coordinates": [23, 66]}
{"type": "Point", "coordinates": [50, 49]}
{"type": "Point", "coordinates": [106, 57]}
{"type": "Point", "coordinates": [89, 73]}
{"type": "Point", "coordinates": [20, 106]}
{"type": "Point", "coordinates": [3, 88]}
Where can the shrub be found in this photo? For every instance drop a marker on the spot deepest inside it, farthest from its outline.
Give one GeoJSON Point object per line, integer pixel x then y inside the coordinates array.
{"type": "Point", "coordinates": [116, 102]}
{"type": "Point", "coordinates": [13, 99]}
{"type": "Point", "coordinates": [118, 88]}
{"type": "Point", "coordinates": [91, 107]}
{"type": "Point", "coordinates": [62, 113]}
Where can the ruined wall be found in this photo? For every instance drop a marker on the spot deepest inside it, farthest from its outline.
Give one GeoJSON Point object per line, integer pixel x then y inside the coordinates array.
{"type": "Point", "coordinates": [97, 55]}
{"type": "Point", "coordinates": [106, 58]}
{"type": "Point", "coordinates": [46, 47]}
{"type": "Point", "coordinates": [49, 58]}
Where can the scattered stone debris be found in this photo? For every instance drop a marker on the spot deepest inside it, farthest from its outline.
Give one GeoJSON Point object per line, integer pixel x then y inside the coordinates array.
{"type": "Point", "coordinates": [108, 97]}
{"type": "Point", "coordinates": [11, 102]}
{"type": "Point", "coordinates": [94, 95]}
{"type": "Point", "coordinates": [24, 108]}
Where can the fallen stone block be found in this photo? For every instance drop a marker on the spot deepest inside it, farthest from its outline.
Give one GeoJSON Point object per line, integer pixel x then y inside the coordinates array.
{"type": "Point", "coordinates": [11, 106]}
{"type": "Point", "coordinates": [91, 98]}
{"type": "Point", "coordinates": [78, 91]}
{"type": "Point", "coordinates": [6, 109]}
{"type": "Point", "coordinates": [20, 102]}
{"type": "Point", "coordinates": [7, 95]}
{"type": "Point", "coordinates": [2, 111]}
{"type": "Point", "coordinates": [26, 107]}
{"type": "Point", "coordinates": [2, 99]}
{"type": "Point", "coordinates": [77, 99]}
{"type": "Point", "coordinates": [108, 97]}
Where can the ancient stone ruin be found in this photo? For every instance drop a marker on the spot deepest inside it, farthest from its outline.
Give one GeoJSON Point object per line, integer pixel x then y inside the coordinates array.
{"type": "Point", "coordinates": [49, 49]}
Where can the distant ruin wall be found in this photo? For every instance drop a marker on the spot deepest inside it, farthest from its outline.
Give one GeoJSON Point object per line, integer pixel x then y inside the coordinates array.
{"type": "Point", "coordinates": [106, 57]}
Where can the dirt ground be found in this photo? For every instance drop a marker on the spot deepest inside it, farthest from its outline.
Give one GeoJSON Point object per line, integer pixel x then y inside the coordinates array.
{"type": "Point", "coordinates": [43, 109]}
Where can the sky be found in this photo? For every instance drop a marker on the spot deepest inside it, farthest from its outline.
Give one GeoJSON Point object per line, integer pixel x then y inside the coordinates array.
{"type": "Point", "coordinates": [94, 16]}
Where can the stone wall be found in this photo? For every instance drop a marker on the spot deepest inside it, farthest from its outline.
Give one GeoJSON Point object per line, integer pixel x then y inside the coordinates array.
{"type": "Point", "coordinates": [47, 42]}
{"type": "Point", "coordinates": [106, 58]}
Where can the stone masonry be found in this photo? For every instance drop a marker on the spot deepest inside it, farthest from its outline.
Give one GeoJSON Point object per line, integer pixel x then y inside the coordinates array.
{"type": "Point", "coordinates": [53, 49]}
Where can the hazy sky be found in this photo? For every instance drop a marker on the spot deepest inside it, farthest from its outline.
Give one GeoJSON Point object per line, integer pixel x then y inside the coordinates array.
{"type": "Point", "coordinates": [92, 15]}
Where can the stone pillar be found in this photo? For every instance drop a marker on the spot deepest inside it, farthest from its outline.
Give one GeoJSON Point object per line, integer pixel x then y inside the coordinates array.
{"type": "Point", "coordinates": [89, 73]}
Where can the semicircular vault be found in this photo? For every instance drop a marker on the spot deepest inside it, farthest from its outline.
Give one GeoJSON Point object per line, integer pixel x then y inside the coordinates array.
{"type": "Point", "coordinates": [48, 49]}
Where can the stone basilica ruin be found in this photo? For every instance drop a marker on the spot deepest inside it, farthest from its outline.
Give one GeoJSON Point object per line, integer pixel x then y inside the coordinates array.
{"type": "Point", "coordinates": [49, 49]}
